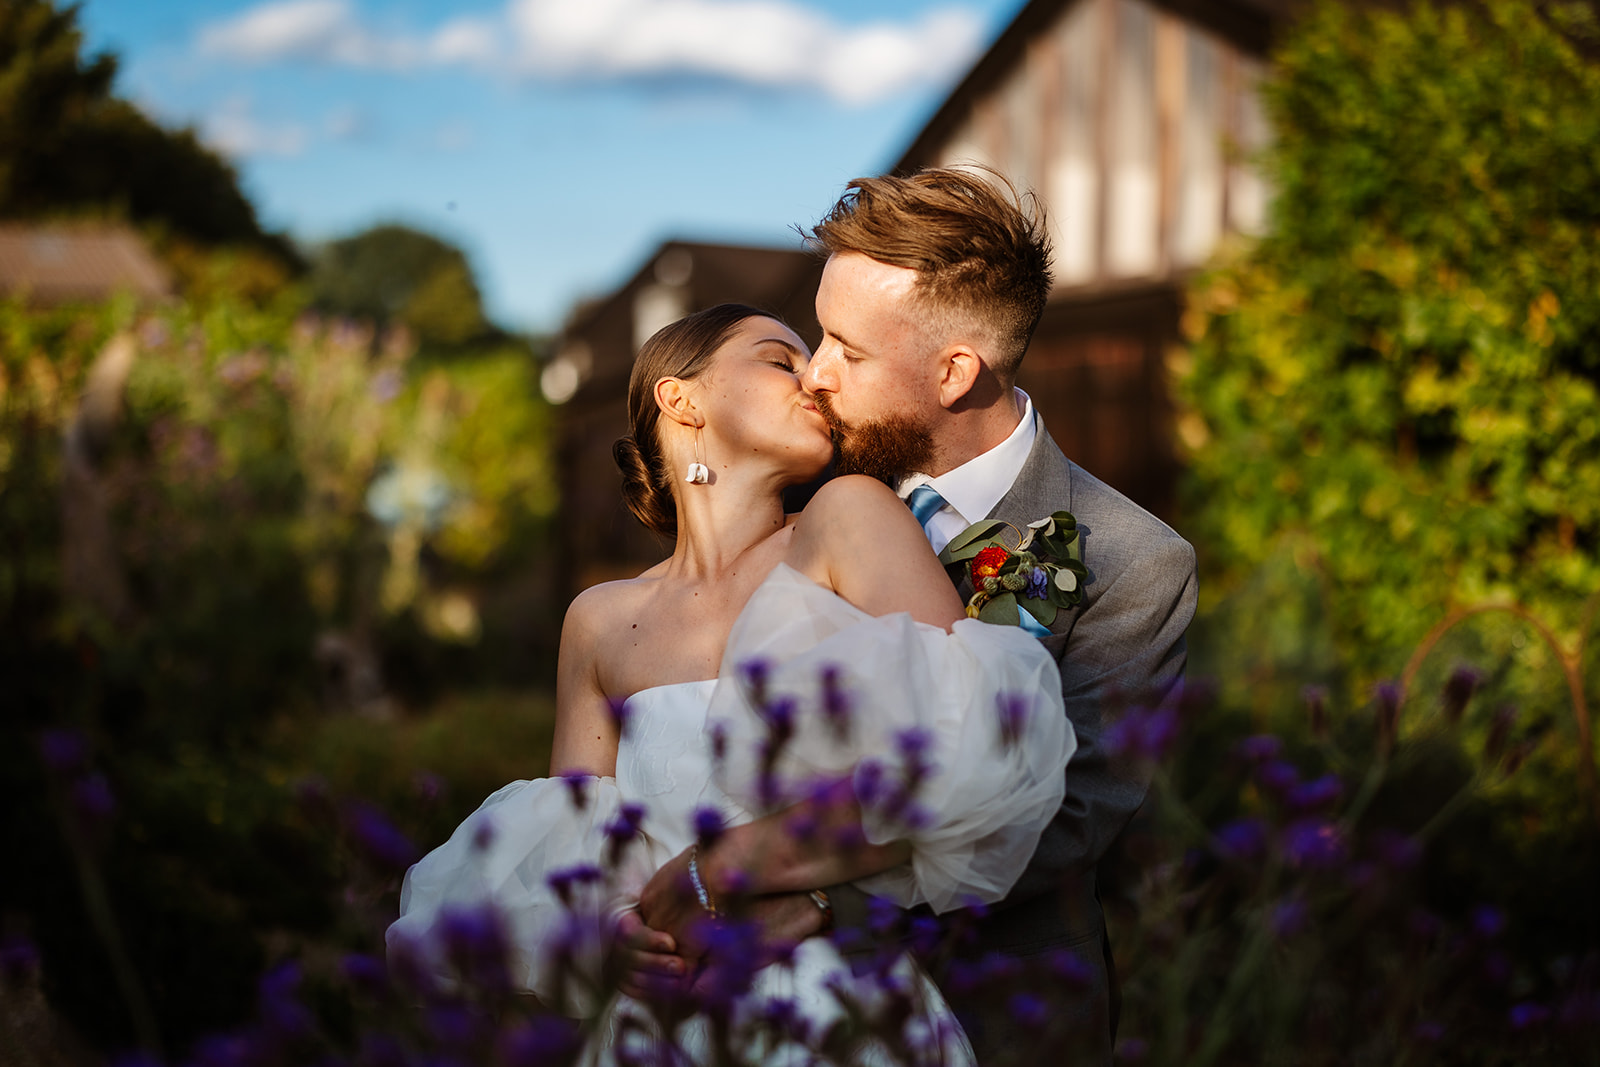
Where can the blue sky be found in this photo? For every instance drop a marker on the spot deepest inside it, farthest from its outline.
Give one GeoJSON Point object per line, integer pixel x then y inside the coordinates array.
{"type": "Point", "coordinates": [556, 141]}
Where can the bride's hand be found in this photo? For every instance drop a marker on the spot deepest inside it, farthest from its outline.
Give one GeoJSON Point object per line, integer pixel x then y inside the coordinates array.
{"type": "Point", "coordinates": [647, 960]}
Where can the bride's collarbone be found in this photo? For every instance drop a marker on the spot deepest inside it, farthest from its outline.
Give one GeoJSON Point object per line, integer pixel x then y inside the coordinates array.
{"type": "Point", "coordinates": [677, 633]}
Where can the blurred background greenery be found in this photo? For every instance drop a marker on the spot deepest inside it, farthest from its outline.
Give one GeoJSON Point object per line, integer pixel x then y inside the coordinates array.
{"type": "Point", "coordinates": [284, 539]}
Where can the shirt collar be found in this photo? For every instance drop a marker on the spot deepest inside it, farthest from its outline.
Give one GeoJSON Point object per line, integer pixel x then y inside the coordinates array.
{"type": "Point", "coordinates": [975, 487]}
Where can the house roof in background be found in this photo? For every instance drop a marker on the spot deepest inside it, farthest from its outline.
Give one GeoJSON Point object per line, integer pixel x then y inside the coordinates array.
{"type": "Point", "coordinates": [1249, 24]}
{"type": "Point", "coordinates": [55, 264]}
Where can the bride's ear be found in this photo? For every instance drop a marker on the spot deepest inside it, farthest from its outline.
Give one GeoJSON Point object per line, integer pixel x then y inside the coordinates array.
{"type": "Point", "coordinates": [673, 397]}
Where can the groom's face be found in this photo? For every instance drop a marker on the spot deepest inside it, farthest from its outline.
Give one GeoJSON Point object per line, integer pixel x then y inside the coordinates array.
{"type": "Point", "coordinates": [874, 376]}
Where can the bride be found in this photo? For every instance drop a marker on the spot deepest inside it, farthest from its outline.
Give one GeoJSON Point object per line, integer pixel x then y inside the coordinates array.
{"type": "Point", "coordinates": [769, 653]}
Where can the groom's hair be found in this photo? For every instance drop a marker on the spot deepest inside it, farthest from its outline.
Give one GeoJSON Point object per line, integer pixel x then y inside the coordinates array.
{"type": "Point", "coordinates": [980, 250]}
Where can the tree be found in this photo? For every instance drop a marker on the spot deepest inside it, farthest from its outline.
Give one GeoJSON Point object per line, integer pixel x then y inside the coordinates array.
{"type": "Point", "coordinates": [70, 147]}
{"type": "Point", "coordinates": [396, 275]}
{"type": "Point", "coordinates": [1393, 394]}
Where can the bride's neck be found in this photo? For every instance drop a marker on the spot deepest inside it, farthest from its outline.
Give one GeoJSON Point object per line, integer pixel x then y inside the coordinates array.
{"type": "Point", "coordinates": [720, 522]}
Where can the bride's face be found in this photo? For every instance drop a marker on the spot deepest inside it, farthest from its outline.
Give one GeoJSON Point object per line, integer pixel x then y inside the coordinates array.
{"type": "Point", "coordinates": [754, 407]}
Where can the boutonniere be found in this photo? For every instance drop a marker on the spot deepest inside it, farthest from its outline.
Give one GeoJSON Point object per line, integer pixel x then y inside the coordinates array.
{"type": "Point", "coordinates": [1042, 573]}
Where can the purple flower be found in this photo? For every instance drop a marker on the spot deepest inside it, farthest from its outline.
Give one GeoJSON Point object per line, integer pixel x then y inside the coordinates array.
{"type": "Point", "coordinates": [454, 1025]}
{"type": "Point", "coordinates": [997, 967]}
{"type": "Point", "coordinates": [1289, 917]}
{"type": "Point", "coordinates": [483, 833]}
{"type": "Point", "coordinates": [385, 385]}
{"type": "Point", "coordinates": [1458, 690]}
{"type": "Point", "coordinates": [281, 1009]}
{"type": "Point", "coordinates": [1029, 1011]}
{"type": "Point", "coordinates": [1315, 794]}
{"type": "Point", "coordinates": [1242, 838]}
{"type": "Point", "coordinates": [562, 881]}
{"type": "Point", "coordinates": [1528, 1014]}
{"type": "Point", "coordinates": [541, 1041]}
{"type": "Point", "coordinates": [755, 673]}
{"type": "Point", "coordinates": [620, 714]}
{"type": "Point", "coordinates": [64, 751]}
{"type": "Point", "coordinates": [1314, 844]}
{"type": "Point", "coordinates": [577, 789]}
{"type": "Point", "coordinates": [1278, 776]}
{"type": "Point", "coordinates": [1488, 922]}
{"type": "Point", "coordinates": [926, 934]}
{"type": "Point", "coordinates": [1070, 968]}
{"type": "Point", "coordinates": [1013, 709]}
{"type": "Point", "coordinates": [92, 800]}
{"type": "Point", "coordinates": [1038, 587]}
{"type": "Point", "coordinates": [708, 826]}
{"type": "Point", "coordinates": [868, 782]}
{"type": "Point", "coordinates": [835, 704]}
{"type": "Point", "coordinates": [883, 918]}
{"type": "Point", "coordinates": [365, 972]}
{"type": "Point", "coordinates": [719, 742]}
{"type": "Point", "coordinates": [378, 838]}
{"type": "Point", "coordinates": [19, 959]}
{"type": "Point", "coordinates": [1259, 748]}
{"type": "Point", "coordinates": [1143, 733]}
{"type": "Point", "coordinates": [625, 824]}
{"type": "Point", "coordinates": [779, 717]}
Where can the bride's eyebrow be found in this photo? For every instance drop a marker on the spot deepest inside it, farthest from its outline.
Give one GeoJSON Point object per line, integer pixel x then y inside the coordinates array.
{"type": "Point", "coordinates": [793, 351]}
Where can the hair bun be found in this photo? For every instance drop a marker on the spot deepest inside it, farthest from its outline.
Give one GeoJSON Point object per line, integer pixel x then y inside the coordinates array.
{"type": "Point", "coordinates": [650, 502]}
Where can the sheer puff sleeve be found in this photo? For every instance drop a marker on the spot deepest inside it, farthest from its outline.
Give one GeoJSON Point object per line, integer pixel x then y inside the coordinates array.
{"type": "Point", "coordinates": [957, 742]}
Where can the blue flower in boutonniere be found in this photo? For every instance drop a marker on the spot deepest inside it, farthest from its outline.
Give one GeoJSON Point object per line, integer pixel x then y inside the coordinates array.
{"type": "Point", "coordinates": [1041, 573]}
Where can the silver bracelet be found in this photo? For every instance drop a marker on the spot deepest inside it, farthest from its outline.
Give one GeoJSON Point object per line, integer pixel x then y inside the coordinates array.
{"type": "Point", "coordinates": [700, 890]}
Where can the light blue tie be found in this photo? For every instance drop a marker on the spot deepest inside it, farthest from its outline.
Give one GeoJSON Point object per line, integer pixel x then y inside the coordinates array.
{"type": "Point", "coordinates": [925, 502]}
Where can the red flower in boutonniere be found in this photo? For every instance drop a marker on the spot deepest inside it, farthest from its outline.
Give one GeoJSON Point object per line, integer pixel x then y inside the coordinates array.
{"type": "Point", "coordinates": [987, 564]}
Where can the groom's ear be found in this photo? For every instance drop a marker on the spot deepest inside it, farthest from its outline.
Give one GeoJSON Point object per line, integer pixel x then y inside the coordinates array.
{"type": "Point", "coordinates": [674, 399]}
{"type": "Point", "coordinates": [959, 370]}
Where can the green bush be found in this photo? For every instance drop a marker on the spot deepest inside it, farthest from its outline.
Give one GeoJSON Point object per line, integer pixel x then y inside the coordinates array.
{"type": "Point", "coordinates": [1391, 405]}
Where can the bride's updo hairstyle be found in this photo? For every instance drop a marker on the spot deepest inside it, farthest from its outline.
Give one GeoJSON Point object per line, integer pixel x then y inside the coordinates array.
{"type": "Point", "coordinates": [683, 350]}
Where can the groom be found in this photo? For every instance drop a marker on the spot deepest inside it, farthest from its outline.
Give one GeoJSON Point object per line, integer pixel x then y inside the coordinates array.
{"type": "Point", "coordinates": [933, 287]}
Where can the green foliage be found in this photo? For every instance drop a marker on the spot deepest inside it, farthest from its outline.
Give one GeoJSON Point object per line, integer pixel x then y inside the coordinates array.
{"type": "Point", "coordinates": [1392, 395]}
{"type": "Point", "coordinates": [394, 275]}
{"type": "Point", "coordinates": [191, 572]}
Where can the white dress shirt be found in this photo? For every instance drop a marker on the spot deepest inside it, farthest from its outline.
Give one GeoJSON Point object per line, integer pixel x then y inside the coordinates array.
{"type": "Point", "coordinates": [973, 489]}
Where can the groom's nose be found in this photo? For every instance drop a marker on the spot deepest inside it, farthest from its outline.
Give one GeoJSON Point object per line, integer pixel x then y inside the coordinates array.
{"type": "Point", "coordinates": [821, 374]}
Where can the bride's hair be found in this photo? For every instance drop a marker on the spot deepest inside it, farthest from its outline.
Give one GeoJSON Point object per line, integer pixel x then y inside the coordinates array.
{"type": "Point", "coordinates": [682, 349]}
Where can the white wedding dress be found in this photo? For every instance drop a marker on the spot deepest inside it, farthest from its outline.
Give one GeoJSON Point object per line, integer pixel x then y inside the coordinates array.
{"type": "Point", "coordinates": [974, 717]}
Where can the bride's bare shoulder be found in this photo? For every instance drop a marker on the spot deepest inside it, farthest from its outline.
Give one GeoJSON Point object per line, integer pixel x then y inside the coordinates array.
{"type": "Point", "coordinates": [599, 606]}
{"type": "Point", "coordinates": [851, 495]}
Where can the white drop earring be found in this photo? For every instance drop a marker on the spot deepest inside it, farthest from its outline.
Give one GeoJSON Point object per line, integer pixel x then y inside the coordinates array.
{"type": "Point", "coordinates": [699, 473]}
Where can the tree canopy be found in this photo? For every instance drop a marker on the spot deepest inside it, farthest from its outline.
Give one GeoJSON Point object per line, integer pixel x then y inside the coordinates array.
{"type": "Point", "coordinates": [393, 274]}
{"type": "Point", "coordinates": [69, 146]}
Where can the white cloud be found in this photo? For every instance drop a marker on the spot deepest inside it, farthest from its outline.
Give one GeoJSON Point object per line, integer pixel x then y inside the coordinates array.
{"type": "Point", "coordinates": [780, 44]}
{"type": "Point", "coordinates": [236, 132]}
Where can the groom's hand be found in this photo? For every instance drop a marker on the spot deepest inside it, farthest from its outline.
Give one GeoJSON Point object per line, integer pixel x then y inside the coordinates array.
{"type": "Point", "coordinates": [647, 961]}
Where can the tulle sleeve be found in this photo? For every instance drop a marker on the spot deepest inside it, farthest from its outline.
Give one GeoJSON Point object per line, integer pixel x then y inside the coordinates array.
{"type": "Point", "coordinates": [540, 871]}
{"type": "Point", "coordinates": [955, 741]}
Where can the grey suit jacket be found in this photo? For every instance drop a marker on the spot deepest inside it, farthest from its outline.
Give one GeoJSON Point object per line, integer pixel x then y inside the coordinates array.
{"type": "Point", "coordinates": [1125, 637]}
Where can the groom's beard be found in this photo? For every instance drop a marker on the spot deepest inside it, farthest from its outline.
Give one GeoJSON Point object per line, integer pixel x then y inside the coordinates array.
{"type": "Point", "coordinates": [886, 448]}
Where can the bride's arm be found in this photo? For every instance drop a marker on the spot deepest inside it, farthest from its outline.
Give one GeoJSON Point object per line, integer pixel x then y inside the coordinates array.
{"type": "Point", "coordinates": [586, 732]}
